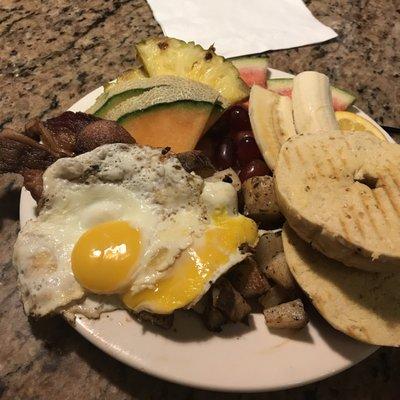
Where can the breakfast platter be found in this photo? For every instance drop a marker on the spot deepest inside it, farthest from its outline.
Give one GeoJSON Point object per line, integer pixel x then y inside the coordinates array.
{"type": "Point", "coordinates": [252, 260]}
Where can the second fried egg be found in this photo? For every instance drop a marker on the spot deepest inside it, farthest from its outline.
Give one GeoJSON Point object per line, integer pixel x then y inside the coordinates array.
{"type": "Point", "coordinates": [113, 219]}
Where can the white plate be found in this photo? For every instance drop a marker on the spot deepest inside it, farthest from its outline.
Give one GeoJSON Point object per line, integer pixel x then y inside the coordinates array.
{"type": "Point", "coordinates": [239, 359]}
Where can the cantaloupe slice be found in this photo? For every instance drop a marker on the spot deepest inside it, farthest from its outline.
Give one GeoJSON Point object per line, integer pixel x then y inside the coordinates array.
{"type": "Point", "coordinates": [165, 111]}
{"type": "Point", "coordinates": [177, 125]}
{"type": "Point", "coordinates": [129, 84]}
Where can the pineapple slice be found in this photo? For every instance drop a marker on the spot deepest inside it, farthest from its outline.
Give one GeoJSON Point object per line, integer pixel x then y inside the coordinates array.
{"type": "Point", "coordinates": [168, 56]}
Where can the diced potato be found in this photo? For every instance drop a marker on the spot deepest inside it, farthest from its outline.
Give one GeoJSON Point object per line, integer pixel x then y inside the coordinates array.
{"type": "Point", "coordinates": [269, 245]}
{"type": "Point", "coordinates": [213, 318]}
{"type": "Point", "coordinates": [228, 300]}
{"type": "Point", "coordinates": [279, 272]}
{"type": "Point", "coordinates": [162, 321]}
{"type": "Point", "coordinates": [274, 296]}
{"type": "Point", "coordinates": [289, 315]}
{"type": "Point", "coordinates": [260, 203]}
{"type": "Point", "coordinates": [247, 279]}
{"type": "Point", "coordinates": [201, 305]}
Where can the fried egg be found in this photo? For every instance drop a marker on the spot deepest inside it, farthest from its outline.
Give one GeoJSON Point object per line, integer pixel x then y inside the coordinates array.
{"type": "Point", "coordinates": [198, 267]}
{"type": "Point", "coordinates": [112, 219]}
{"type": "Point", "coordinates": [127, 222]}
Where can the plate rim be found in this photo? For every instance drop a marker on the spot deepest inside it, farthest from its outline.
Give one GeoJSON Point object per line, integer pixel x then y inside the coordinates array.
{"type": "Point", "coordinates": [120, 356]}
{"type": "Point", "coordinates": [107, 347]}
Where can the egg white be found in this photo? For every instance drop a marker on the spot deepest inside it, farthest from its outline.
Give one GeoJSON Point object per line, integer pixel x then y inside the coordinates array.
{"type": "Point", "coordinates": [114, 182]}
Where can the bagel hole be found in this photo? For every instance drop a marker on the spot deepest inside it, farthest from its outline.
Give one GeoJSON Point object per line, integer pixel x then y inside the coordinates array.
{"type": "Point", "coordinates": [368, 180]}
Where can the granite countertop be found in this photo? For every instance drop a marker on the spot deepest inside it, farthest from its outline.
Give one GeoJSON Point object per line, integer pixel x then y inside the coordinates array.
{"type": "Point", "coordinates": [52, 53]}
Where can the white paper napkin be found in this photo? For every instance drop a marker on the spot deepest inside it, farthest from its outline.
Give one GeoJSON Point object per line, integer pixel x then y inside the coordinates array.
{"type": "Point", "coordinates": [239, 27]}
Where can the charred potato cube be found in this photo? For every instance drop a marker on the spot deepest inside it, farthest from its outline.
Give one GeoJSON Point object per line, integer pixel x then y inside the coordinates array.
{"type": "Point", "coordinates": [278, 271]}
{"type": "Point", "coordinates": [160, 320]}
{"type": "Point", "coordinates": [229, 301]}
{"type": "Point", "coordinates": [201, 305]}
{"type": "Point", "coordinates": [274, 296]}
{"type": "Point", "coordinates": [247, 279]}
{"type": "Point", "coordinates": [289, 315]}
{"type": "Point", "coordinates": [269, 245]}
{"type": "Point", "coordinates": [260, 203]}
{"type": "Point", "coordinates": [213, 318]}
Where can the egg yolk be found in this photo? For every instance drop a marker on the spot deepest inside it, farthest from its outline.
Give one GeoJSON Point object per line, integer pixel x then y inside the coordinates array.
{"type": "Point", "coordinates": [105, 256]}
{"type": "Point", "coordinates": [197, 265]}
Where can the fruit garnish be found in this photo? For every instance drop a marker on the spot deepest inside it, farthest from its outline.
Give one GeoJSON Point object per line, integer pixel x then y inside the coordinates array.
{"type": "Point", "coordinates": [254, 168]}
{"type": "Point", "coordinates": [238, 118]}
{"type": "Point", "coordinates": [349, 121]}
{"type": "Point", "coordinates": [341, 99]}
{"type": "Point", "coordinates": [252, 69]}
{"type": "Point", "coordinates": [225, 154]}
{"type": "Point", "coordinates": [168, 56]}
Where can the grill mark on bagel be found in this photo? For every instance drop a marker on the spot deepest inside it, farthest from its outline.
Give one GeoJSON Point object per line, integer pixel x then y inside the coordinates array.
{"type": "Point", "coordinates": [389, 195]}
{"type": "Point", "coordinates": [314, 162]}
{"type": "Point", "coordinates": [380, 205]}
{"type": "Point", "coordinates": [330, 162]}
{"type": "Point", "coordinates": [333, 168]}
{"type": "Point", "coordinates": [394, 179]}
{"type": "Point", "coordinates": [342, 159]}
{"type": "Point", "coordinates": [345, 232]}
{"type": "Point", "coordinates": [353, 216]}
{"type": "Point", "coordinates": [358, 225]}
{"type": "Point", "coordinates": [368, 211]}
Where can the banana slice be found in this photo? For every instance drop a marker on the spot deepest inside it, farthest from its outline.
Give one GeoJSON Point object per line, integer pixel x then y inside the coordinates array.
{"type": "Point", "coordinates": [271, 119]}
{"type": "Point", "coordinates": [312, 103]}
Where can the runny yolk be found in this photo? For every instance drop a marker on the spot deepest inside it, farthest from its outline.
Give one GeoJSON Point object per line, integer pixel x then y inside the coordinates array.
{"type": "Point", "coordinates": [197, 266]}
{"type": "Point", "coordinates": [105, 256]}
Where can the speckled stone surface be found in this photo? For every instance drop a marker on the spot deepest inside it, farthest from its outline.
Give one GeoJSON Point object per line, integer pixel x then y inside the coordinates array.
{"type": "Point", "coordinates": [53, 52]}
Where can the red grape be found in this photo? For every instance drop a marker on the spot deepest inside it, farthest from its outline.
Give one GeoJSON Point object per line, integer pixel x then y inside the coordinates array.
{"type": "Point", "coordinates": [222, 126]}
{"type": "Point", "coordinates": [225, 155]}
{"type": "Point", "coordinates": [239, 135]}
{"type": "Point", "coordinates": [254, 168]}
{"type": "Point", "coordinates": [247, 150]}
{"type": "Point", "coordinates": [238, 119]}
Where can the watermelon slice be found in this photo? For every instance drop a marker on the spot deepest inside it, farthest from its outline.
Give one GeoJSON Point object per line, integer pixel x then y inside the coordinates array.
{"type": "Point", "coordinates": [342, 100]}
{"type": "Point", "coordinates": [252, 69]}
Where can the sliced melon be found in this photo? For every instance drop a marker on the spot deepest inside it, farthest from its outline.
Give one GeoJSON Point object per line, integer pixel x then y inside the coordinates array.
{"type": "Point", "coordinates": [252, 69]}
{"type": "Point", "coordinates": [178, 125]}
{"type": "Point", "coordinates": [113, 101]}
{"type": "Point", "coordinates": [342, 100]}
{"type": "Point", "coordinates": [167, 56]}
{"type": "Point", "coordinates": [173, 115]}
{"type": "Point", "coordinates": [128, 85]}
